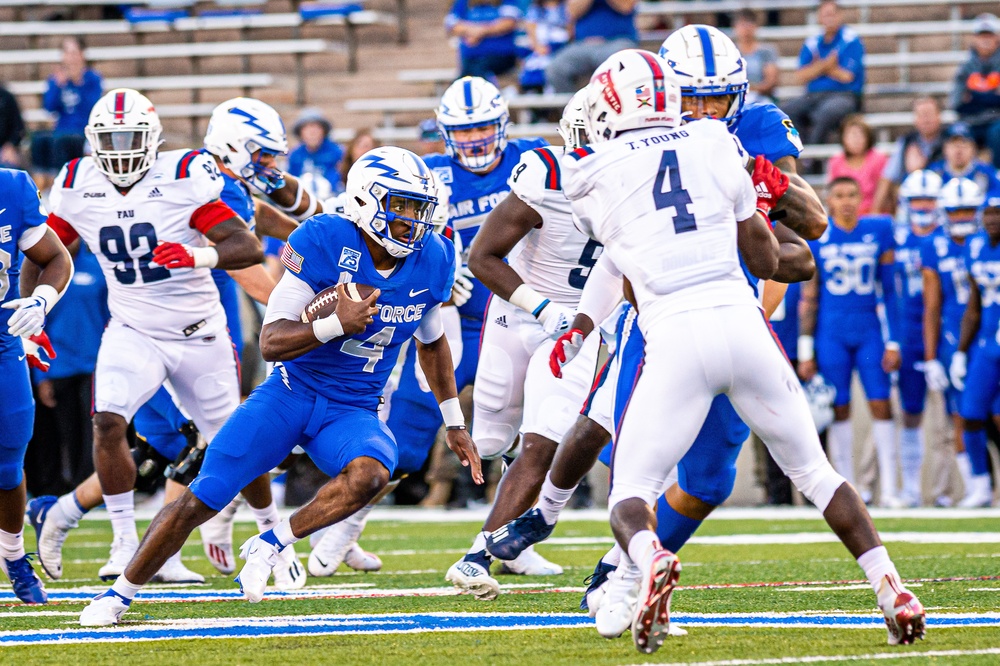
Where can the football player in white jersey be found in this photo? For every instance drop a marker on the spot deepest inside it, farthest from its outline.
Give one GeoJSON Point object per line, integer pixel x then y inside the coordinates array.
{"type": "Point", "coordinates": [149, 217]}
{"type": "Point", "coordinates": [673, 207]}
{"type": "Point", "coordinates": [549, 262]}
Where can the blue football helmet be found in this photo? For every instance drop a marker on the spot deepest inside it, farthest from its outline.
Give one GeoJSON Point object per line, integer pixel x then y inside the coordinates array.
{"type": "Point", "coordinates": [707, 64]}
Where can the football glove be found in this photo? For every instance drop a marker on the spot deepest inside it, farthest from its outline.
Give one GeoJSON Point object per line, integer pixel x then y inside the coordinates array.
{"type": "Point", "coordinates": [178, 255]}
{"type": "Point", "coordinates": [555, 319]}
{"type": "Point", "coordinates": [957, 370]}
{"type": "Point", "coordinates": [565, 350]}
{"type": "Point", "coordinates": [461, 291]}
{"type": "Point", "coordinates": [28, 317]}
{"type": "Point", "coordinates": [32, 346]}
{"type": "Point", "coordinates": [769, 183]}
{"type": "Point", "coordinates": [936, 375]}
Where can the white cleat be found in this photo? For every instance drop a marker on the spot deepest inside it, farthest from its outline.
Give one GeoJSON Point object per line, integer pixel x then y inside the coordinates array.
{"type": "Point", "coordinates": [470, 575]}
{"type": "Point", "coordinates": [121, 554]}
{"type": "Point", "coordinates": [904, 614]}
{"type": "Point", "coordinates": [174, 572]}
{"type": "Point", "coordinates": [530, 563]}
{"type": "Point", "coordinates": [104, 611]}
{"type": "Point", "coordinates": [261, 557]}
{"type": "Point", "coordinates": [360, 559]}
{"type": "Point", "coordinates": [616, 608]}
{"type": "Point", "coordinates": [217, 538]}
{"type": "Point", "coordinates": [289, 574]}
{"type": "Point", "coordinates": [330, 550]}
{"type": "Point", "coordinates": [51, 529]}
{"type": "Point", "coordinates": [978, 494]}
{"type": "Point", "coordinates": [651, 622]}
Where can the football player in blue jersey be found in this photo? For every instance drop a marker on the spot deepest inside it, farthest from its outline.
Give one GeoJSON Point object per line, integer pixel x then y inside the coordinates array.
{"type": "Point", "coordinates": [842, 312]}
{"type": "Point", "coordinates": [325, 390]}
{"type": "Point", "coordinates": [22, 232]}
{"type": "Point", "coordinates": [946, 293]}
{"type": "Point", "coordinates": [918, 205]}
{"type": "Point", "coordinates": [975, 366]}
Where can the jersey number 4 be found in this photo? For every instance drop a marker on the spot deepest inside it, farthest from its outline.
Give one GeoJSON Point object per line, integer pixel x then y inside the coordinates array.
{"type": "Point", "coordinates": [674, 196]}
{"type": "Point", "coordinates": [113, 247]}
{"type": "Point", "coordinates": [360, 349]}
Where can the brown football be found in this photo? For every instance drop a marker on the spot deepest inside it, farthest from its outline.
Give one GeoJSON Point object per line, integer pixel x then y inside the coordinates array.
{"type": "Point", "coordinates": [325, 302]}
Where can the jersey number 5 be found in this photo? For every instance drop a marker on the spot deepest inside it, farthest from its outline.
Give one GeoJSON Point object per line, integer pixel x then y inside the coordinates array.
{"type": "Point", "coordinates": [113, 247]}
{"type": "Point", "coordinates": [578, 276]}
{"type": "Point", "coordinates": [674, 196]}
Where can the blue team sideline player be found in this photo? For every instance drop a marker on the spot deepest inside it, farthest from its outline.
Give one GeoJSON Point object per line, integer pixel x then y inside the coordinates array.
{"type": "Point", "coordinates": [975, 367]}
{"type": "Point", "coordinates": [946, 293]}
{"type": "Point", "coordinates": [325, 391]}
{"type": "Point", "coordinates": [841, 310]}
{"type": "Point", "coordinates": [22, 232]}
{"type": "Point", "coordinates": [918, 201]}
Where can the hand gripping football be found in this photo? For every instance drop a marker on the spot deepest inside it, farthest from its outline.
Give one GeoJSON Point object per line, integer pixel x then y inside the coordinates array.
{"type": "Point", "coordinates": [325, 302]}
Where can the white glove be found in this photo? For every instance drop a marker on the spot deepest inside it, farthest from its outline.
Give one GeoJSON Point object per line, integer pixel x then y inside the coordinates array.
{"type": "Point", "coordinates": [957, 370]}
{"type": "Point", "coordinates": [555, 319]}
{"type": "Point", "coordinates": [461, 291]}
{"type": "Point", "coordinates": [935, 374]}
{"type": "Point", "coordinates": [28, 317]}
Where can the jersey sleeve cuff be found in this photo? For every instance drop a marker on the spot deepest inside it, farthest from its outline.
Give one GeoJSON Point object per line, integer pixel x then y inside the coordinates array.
{"type": "Point", "coordinates": [67, 234]}
{"type": "Point", "coordinates": [211, 215]}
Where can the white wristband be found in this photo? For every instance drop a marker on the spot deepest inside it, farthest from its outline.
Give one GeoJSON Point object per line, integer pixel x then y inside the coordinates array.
{"type": "Point", "coordinates": [451, 410]}
{"type": "Point", "coordinates": [528, 300]}
{"type": "Point", "coordinates": [806, 348]}
{"type": "Point", "coordinates": [328, 328]}
{"type": "Point", "coordinates": [48, 294]}
{"type": "Point", "coordinates": [309, 211]}
{"type": "Point", "coordinates": [298, 199]}
{"type": "Point", "coordinates": [892, 346]}
{"type": "Point", "coordinates": [205, 257]}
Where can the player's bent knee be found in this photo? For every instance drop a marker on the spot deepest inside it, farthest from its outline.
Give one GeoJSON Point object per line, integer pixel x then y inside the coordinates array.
{"type": "Point", "coordinates": [818, 482]}
{"type": "Point", "coordinates": [109, 427]}
{"type": "Point", "coordinates": [714, 491]}
{"type": "Point", "coordinates": [11, 475]}
{"type": "Point", "coordinates": [491, 446]}
{"type": "Point", "coordinates": [217, 396]}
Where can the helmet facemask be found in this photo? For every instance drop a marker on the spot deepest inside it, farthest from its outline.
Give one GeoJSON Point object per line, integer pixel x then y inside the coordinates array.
{"type": "Point", "coordinates": [962, 222]}
{"type": "Point", "coordinates": [922, 211]}
{"type": "Point", "coordinates": [265, 178]}
{"type": "Point", "coordinates": [477, 155]}
{"type": "Point", "coordinates": [123, 155]}
{"type": "Point", "coordinates": [397, 206]}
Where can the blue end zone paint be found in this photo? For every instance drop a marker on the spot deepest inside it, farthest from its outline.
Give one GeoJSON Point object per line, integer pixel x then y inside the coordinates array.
{"type": "Point", "coordinates": [322, 625]}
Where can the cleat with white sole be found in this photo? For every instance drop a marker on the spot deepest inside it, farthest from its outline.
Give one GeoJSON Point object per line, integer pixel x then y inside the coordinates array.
{"type": "Point", "coordinates": [289, 574]}
{"type": "Point", "coordinates": [530, 563]}
{"type": "Point", "coordinates": [613, 616]}
{"type": "Point", "coordinates": [105, 610]}
{"type": "Point", "coordinates": [905, 619]}
{"type": "Point", "coordinates": [330, 550]}
{"type": "Point", "coordinates": [472, 574]}
{"type": "Point", "coordinates": [27, 585]}
{"type": "Point", "coordinates": [651, 623]}
{"type": "Point", "coordinates": [260, 557]}
{"type": "Point", "coordinates": [217, 538]}
{"type": "Point", "coordinates": [596, 587]}
{"type": "Point", "coordinates": [51, 529]}
{"type": "Point", "coordinates": [173, 572]}
{"type": "Point", "coordinates": [121, 554]}
{"type": "Point", "coordinates": [360, 559]}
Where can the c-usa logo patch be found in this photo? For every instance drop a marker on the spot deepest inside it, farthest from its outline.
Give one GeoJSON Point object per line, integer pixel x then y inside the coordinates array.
{"type": "Point", "coordinates": [445, 174]}
{"type": "Point", "coordinates": [349, 259]}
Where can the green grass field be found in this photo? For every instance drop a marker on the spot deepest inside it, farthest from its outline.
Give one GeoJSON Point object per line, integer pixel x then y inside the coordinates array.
{"type": "Point", "coordinates": [717, 571]}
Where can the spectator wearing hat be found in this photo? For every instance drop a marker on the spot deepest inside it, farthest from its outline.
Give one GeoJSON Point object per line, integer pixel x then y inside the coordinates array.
{"type": "Point", "coordinates": [960, 159]}
{"type": "Point", "coordinates": [915, 150]}
{"type": "Point", "coordinates": [317, 155]}
{"type": "Point", "coordinates": [976, 93]}
{"type": "Point", "coordinates": [485, 29]}
{"type": "Point", "coordinates": [831, 66]}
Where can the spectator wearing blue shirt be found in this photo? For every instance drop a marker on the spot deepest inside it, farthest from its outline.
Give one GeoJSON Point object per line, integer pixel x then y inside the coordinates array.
{"type": "Point", "coordinates": [548, 28]}
{"type": "Point", "coordinates": [316, 154]}
{"type": "Point", "coordinates": [601, 29]}
{"type": "Point", "coordinates": [485, 29]}
{"type": "Point", "coordinates": [831, 67]}
{"type": "Point", "coordinates": [71, 93]}
{"type": "Point", "coordinates": [960, 159]}
{"type": "Point", "coordinates": [63, 459]}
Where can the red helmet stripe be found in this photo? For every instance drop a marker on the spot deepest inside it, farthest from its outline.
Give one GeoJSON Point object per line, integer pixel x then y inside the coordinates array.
{"type": "Point", "coordinates": [120, 108]}
{"type": "Point", "coordinates": [659, 86]}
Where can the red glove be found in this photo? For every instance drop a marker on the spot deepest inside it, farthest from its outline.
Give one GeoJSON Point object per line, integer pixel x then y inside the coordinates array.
{"type": "Point", "coordinates": [567, 347]}
{"type": "Point", "coordinates": [769, 183]}
{"type": "Point", "coordinates": [173, 255]}
{"type": "Point", "coordinates": [31, 347]}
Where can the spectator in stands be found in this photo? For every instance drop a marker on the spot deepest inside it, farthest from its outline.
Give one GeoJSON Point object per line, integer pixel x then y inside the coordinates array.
{"type": "Point", "coordinates": [548, 28]}
{"type": "Point", "coordinates": [762, 60]}
{"type": "Point", "coordinates": [831, 67]}
{"type": "Point", "coordinates": [960, 159]}
{"type": "Point", "coordinates": [11, 130]}
{"type": "Point", "coordinates": [858, 160]}
{"type": "Point", "coordinates": [363, 141]}
{"type": "Point", "coordinates": [485, 29]}
{"type": "Point", "coordinates": [430, 140]}
{"type": "Point", "coordinates": [976, 95]}
{"type": "Point", "coordinates": [913, 151]}
{"type": "Point", "coordinates": [72, 91]}
{"type": "Point", "coordinates": [317, 155]}
{"type": "Point", "coordinates": [601, 28]}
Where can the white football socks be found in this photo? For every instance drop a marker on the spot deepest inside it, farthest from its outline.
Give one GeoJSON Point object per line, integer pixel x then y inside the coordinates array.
{"type": "Point", "coordinates": [121, 509]}
{"type": "Point", "coordinates": [70, 511]}
{"type": "Point", "coordinates": [964, 467]}
{"type": "Point", "coordinates": [267, 517]}
{"type": "Point", "coordinates": [614, 556]}
{"type": "Point", "coordinates": [877, 565]}
{"type": "Point", "coordinates": [479, 543]}
{"type": "Point", "coordinates": [11, 545]}
{"type": "Point", "coordinates": [840, 448]}
{"type": "Point", "coordinates": [552, 500]}
{"type": "Point", "coordinates": [911, 458]}
{"type": "Point", "coordinates": [124, 588]}
{"type": "Point", "coordinates": [641, 547]}
{"type": "Point", "coordinates": [884, 432]}
{"type": "Point", "coordinates": [283, 533]}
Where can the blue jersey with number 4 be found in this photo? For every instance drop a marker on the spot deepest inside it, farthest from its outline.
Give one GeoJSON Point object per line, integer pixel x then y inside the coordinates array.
{"type": "Point", "coordinates": [983, 261]}
{"type": "Point", "coordinates": [941, 254]}
{"type": "Point", "coordinates": [20, 211]}
{"type": "Point", "coordinates": [328, 249]}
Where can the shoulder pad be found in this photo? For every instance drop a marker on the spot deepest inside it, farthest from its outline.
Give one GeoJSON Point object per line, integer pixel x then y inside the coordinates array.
{"type": "Point", "coordinates": [71, 168]}
{"type": "Point", "coordinates": [582, 152]}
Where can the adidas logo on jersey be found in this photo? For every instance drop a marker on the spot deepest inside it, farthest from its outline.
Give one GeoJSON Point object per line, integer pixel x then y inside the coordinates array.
{"type": "Point", "coordinates": [501, 321]}
{"type": "Point", "coordinates": [155, 192]}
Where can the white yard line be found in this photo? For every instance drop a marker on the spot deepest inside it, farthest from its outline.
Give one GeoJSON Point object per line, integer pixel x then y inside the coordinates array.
{"type": "Point", "coordinates": [835, 658]}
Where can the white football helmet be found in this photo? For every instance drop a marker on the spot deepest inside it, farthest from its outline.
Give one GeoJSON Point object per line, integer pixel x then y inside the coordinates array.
{"type": "Point", "coordinates": [124, 133]}
{"type": "Point", "coordinates": [707, 64]}
{"type": "Point", "coordinates": [241, 127]}
{"type": "Point", "coordinates": [630, 90]}
{"type": "Point", "coordinates": [573, 124]}
{"type": "Point", "coordinates": [443, 193]}
{"type": "Point", "coordinates": [918, 194]}
{"type": "Point", "coordinates": [962, 201]}
{"type": "Point", "coordinates": [382, 186]}
{"type": "Point", "coordinates": [472, 103]}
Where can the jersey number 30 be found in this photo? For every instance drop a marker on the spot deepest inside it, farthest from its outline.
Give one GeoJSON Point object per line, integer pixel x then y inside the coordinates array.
{"type": "Point", "coordinates": [674, 196]}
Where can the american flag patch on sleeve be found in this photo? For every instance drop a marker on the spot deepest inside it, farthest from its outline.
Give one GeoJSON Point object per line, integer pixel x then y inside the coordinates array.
{"type": "Point", "coordinates": [291, 259]}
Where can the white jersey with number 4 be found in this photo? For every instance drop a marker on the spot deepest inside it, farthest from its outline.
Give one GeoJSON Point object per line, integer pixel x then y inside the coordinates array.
{"type": "Point", "coordinates": [665, 204]}
{"type": "Point", "coordinates": [554, 258]}
{"type": "Point", "coordinates": [176, 201]}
